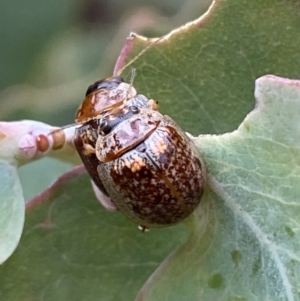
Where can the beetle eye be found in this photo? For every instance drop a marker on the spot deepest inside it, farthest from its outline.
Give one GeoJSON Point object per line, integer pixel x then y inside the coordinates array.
{"type": "Point", "coordinates": [134, 109]}
{"type": "Point", "coordinates": [102, 122]}
{"type": "Point", "coordinates": [104, 127]}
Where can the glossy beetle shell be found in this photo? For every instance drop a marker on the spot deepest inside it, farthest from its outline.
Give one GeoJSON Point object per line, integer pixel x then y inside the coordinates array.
{"type": "Point", "coordinates": [146, 164]}
{"type": "Point", "coordinates": [158, 182]}
{"type": "Point", "coordinates": [102, 97]}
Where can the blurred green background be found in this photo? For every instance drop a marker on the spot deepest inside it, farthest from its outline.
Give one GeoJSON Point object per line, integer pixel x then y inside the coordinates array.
{"type": "Point", "coordinates": [52, 50]}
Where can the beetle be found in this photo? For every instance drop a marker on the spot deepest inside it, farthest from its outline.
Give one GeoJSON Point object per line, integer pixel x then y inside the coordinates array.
{"type": "Point", "coordinates": [138, 157]}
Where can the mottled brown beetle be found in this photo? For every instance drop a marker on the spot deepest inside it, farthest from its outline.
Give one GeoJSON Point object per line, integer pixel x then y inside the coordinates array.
{"type": "Point", "coordinates": [138, 157]}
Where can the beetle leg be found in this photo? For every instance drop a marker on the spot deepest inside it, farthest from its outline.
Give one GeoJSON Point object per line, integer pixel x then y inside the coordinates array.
{"type": "Point", "coordinates": [143, 228]}
{"type": "Point", "coordinates": [88, 149]}
{"type": "Point", "coordinates": [153, 104]}
{"type": "Point", "coordinates": [103, 199]}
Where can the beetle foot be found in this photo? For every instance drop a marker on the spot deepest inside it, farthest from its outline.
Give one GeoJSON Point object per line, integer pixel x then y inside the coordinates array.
{"type": "Point", "coordinates": [143, 228]}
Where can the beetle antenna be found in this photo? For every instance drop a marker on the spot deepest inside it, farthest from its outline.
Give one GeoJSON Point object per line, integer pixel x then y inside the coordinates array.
{"type": "Point", "coordinates": [139, 55]}
{"type": "Point", "coordinates": [133, 74]}
{"type": "Point", "coordinates": [59, 138]}
{"type": "Point", "coordinates": [64, 127]}
{"type": "Point", "coordinates": [59, 130]}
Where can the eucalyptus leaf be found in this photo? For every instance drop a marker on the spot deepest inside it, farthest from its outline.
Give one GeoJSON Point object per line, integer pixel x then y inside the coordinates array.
{"type": "Point", "coordinates": [245, 244]}
{"type": "Point", "coordinates": [202, 74]}
{"type": "Point", "coordinates": [73, 249]}
{"type": "Point", "coordinates": [12, 210]}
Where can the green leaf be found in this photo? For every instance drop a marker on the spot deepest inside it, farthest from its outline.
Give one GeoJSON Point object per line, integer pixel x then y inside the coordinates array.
{"type": "Point", "coordinates": [33, 186]}
{"type": "Point", "coordinates": [12, 210]}
{"type": "Point", "coordinates": [243, 243]}
{"type": "Point", "coordinates": [73, 249]}
{"type": "Point", "coordinates": [203, 73]}
{"type": "Point", "coordinates": [246, 242]}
